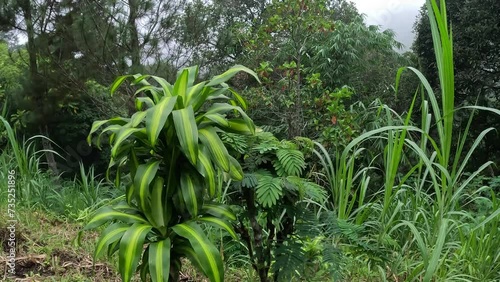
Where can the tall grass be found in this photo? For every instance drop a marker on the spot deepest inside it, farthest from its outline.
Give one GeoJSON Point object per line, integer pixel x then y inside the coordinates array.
{"type": "Point", "coordinates": [418, 211]}
{"type": "Point", "coordinates": [37, 189]}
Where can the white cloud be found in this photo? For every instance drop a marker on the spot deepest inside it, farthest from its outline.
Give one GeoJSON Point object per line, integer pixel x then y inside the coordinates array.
{"type": "Point", "coordinates": [398, 15]}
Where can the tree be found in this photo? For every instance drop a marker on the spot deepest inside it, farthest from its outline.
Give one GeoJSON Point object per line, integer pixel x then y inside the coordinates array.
{"type": "Point", "coordinates": [332, 44]}
{"type": "Point", "coordinates": [282, 44]}
{"type": "Point", "coordinates": [477, 63]}
{"type": "Point", "coordinates": [75, 47]}
{"type": "Point", "coordinates": [208, 30]}
{"type": "Point", "coordinates": [274, 220]}
{"type": "Point", "coordinates": [11, 73]}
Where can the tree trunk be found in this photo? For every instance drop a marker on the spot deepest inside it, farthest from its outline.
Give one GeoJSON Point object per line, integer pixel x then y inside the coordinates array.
{"type": "Point", "coordinates": [260, 263]}
{"type": "Point", "coordinates": [38, 88]}
{"type": "Point", "coordinates": [134, 35]}
{"type": "Point", "coordinates": [30, 30]}
{"type": "Point", "coordinates": [296, 117]}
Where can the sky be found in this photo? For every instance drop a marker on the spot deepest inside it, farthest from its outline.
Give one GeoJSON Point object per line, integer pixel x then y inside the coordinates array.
{"type": "Point", "coordinates": [398, 15]}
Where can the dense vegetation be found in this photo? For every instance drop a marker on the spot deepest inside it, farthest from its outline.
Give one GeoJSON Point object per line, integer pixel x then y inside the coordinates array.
{"type": "Point", "coordinates": [248, 141]}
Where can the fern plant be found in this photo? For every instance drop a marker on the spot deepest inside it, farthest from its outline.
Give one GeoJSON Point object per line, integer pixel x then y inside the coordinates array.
{"type": "Point", "coordinates": [171, 151]}
{"type": "Point", "coordinates": [275, 198]}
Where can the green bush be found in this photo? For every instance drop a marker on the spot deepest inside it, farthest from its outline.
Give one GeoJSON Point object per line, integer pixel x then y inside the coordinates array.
{"type": "Point", "coordinates": [172, 154]}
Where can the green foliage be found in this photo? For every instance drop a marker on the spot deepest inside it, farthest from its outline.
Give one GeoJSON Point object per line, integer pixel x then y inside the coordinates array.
{"type": "Point", "coordinates": [275, 198]}
{"type": "Point", "coordinates": [38, 190]}
{"type": "Point", "coordinates": [336, 125]}
{"type": "Point", "coordinates": [476, 57]}
{"type": "Point", "coordinates": [422, 196]}
{"type": "Point", "coordinates": [281, 44]}
{"type": "Point", "coordinates": [392, 182]}
{"type": "Point", "coordinates": [172, 154]}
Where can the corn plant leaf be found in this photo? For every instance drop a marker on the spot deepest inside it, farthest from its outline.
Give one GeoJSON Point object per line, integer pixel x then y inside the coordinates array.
{"type": "Point", "coordinates": [167, 87]}
{"type": "Point", "coordinates": [191, 192]}
{"type": "Point", "coordinates": [141, 79]}
{"type": "Point", "coordinates": [194, 93]}
{"type": "Point", "coordinates": [129, 193]}
{"type": "Point", "coordinates": [98, 123]}
{"type": "Point", "coordinates": [238, 126]}
{"type": "Point", "coordinates": [181, 84]}
{"type": "Point", "coordinates": [143, 268]}
{"type": "Point", "coordinates": [230, 73]}
{"type": "Point", "coordinates": [157, 117]}
{"type": "Point", "coordinates": [153, 90]}
{"type": "Point", "coordinates": [111, 234]}
{"type": "Point", "coordinates": [193, 74]}
{"type": "Point", "coordinates": [187, 133]}
{"type": "Point", "coordinates": [125, 207]}
{"type": "Point", "coordinates": [239, 99]}
{"type": "Point", "coordinates": [118, 82]}
{"type": "Point", "coordinates": [219, 223]}
{"type": "Point", "coordinates": [120, 157]}
{"type": "Point", "coordinates": [207, 254]}
{"type": "Point", "coordinates": [221, 108]}
{"type": "Point", "coordinates": [206, 169]}
{"type": "Point", "coordinates": [198, 99]}
{"type": "Point", "coordinates": [218, 210]}
{"type": "Point", "coordinates": [133, 162]}
{"type": "Point", "coordinates": [131, 248]}
{"type": "Point", "coordinates": [141, 101]}
{"type": "Point", "coordinates": [143, 178]}
{"type": "Point", "coordinates": [107, 213]}
{"type": "Point", "coordinates": [208, 93]}
{"type": "Point", "coordinates": [159, 260]}
{"type": "Point", "coordinates": [113, 248]}
{"type": "Point", "coordinates": [121, 136]}
{"type": "Point", "coordinates": [218, 151]}
{"type": "Point", "coordinates": [183, 248]}
{"type": "Point", "coordinates": [113, 128]}
{"type": "Point", "coordinates": [137, 118]}
{"type": "Point", "coordinates": [216, 119]}
{"type": "Point", "coordinates": [235, 170]}
{"type": "Point", "coordinates": [157, 198]}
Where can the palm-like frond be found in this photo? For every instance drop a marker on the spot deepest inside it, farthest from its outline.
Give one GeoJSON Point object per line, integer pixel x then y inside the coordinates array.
{"type": "Point", "coordinates": [306, 189]}
{"type": "Point", "coordinates": [249, 180]}
{"type": "Point", "coordinates": [268, 190]}
{"type": "Point", "coordinates": [290, 261]}
{"type": "Point", "coordinates": [289, 162]}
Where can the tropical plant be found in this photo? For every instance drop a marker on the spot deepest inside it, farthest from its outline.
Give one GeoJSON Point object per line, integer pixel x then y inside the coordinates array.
{"type": "Point", "coordinates": [173, 156]}
{"type": "Point", "coordinates": [477, 65]}
{"type": "Point", "coordinates": [423, 198]}
{"type": "Point", "coordinates": [277, 216]}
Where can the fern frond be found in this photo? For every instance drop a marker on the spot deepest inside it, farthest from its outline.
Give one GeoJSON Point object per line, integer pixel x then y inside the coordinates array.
{"type": "Point", "coordinates": [289, 162]}
{"type": "Point", "coordinates": [307, 189]}
{"type": "Point", "coordinates": [307, 224]}
{"type": "Point", "coordinates": [290, 261]}
{"type": "Point", "coordinates": [266, 142]}
{"type": "Point", "coordinates": [334, 260]}
{"type": "Point", "coordinates": [249, 180]}
{"type": "Point", "coordinates": [236, 142]}
{"type": "Point", "coordinates": [268, 190]}
{"type": "Point", "coordinates": [315, 192]}
{"type": "Point", "coordinates": [293, 184]}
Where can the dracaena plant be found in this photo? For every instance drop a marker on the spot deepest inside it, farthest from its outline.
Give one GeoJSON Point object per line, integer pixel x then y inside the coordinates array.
{"type": "Point", "coordinates": [174, 157]}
